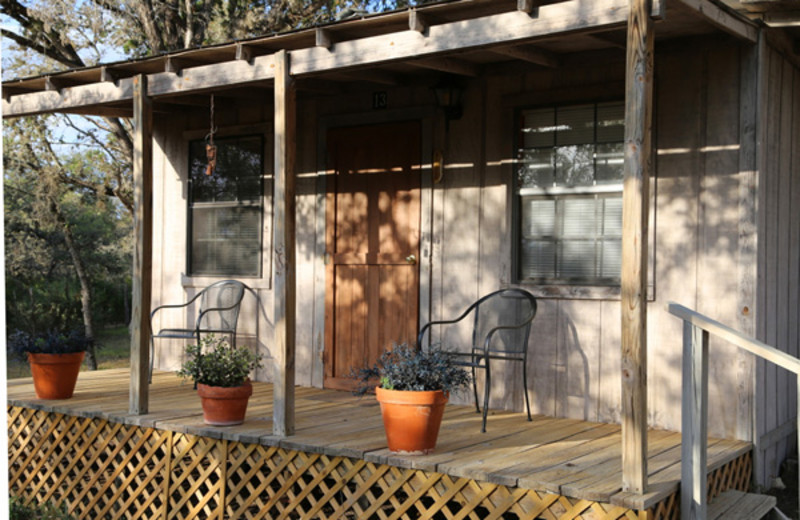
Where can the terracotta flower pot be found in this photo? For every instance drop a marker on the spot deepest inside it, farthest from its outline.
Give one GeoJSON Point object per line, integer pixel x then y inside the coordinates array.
{"type": "Point", "coordinates": [54, 375]}
{"type": "Point", "coordinates": [224, 406]}
{"type": "Point", "coordinates": [411, 419]}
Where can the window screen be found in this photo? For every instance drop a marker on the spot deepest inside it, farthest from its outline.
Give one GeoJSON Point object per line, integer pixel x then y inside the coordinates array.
{"type": "Point", "coordinates": [225, 208]}
{"type": "Point", "coordinates": [569, 183]}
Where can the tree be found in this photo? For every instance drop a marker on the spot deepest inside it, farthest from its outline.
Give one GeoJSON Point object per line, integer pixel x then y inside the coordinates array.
{"type": "Point", "coordinates": [50, 228]}
{"type": "Point", "coordinates": [56, 183]}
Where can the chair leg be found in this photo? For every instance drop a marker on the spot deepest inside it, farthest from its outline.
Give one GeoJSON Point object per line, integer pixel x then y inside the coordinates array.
{"type": "Point", "coordinates": [488, 385]}
{"type": "Point", "coordinates": [152, 355]}
{"type": "Point", "coordinates": [525, 387]}
{"type": "Point", "coordinates": [475, 389]}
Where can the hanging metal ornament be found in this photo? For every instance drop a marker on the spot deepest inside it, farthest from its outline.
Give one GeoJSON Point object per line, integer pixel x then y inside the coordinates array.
{"type": "Point", "coordinates": [211, 148]}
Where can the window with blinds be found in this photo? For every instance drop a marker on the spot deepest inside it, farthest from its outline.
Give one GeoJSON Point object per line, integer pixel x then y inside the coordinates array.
{"type": "Point", "coordinates": [225, 208]}
{"type": "Point", "coordinates": [569, 184]}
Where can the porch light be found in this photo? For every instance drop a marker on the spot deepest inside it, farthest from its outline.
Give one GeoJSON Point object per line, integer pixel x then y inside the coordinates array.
{"type": "Point", "coordinates": [448, 98]}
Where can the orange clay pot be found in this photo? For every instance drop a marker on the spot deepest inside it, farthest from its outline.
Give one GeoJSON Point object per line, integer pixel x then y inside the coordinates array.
{"type": "Point", "coordinates": [411, 419]}
{"type": "Point", "coordinates": [224, 406]}
{"type": "Point", "coordinates": [54, 375]}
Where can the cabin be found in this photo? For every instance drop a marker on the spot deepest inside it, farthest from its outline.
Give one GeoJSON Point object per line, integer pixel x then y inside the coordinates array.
{"type": "Point", "coordinates": [634, 165]}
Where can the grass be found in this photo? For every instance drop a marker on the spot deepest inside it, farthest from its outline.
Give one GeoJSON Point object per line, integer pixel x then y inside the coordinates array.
{"type": "Point", "coordinates": [113, 352]}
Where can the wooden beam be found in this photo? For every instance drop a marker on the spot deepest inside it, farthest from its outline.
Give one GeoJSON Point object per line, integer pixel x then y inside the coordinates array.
{"type": "Point", "coordinates": [417, 21]}
{"type": "Point", "coordinates": [323, 38]}
{"type": "Point", "coordinates": [531, 55]}
{"type": "Point", "coordinates": [721, 18]}
{"type": "Point", "coordinates": [244, 52]}
{"type": "Point", "coordinates": [108, 74]}
{"type": "Point", "coordinates": [635, 201]}
{"type": "Point", "coordinates": [372, 76]}
{"type": "Point", "coordinates": [507, 28]}
{"type": "Point", "coordinates": [450, 65]}
{"type": "Point", "coordinates": [284, 248]}
{"type": "Point", "coordinates": [53, 84]}
{"type": "Point", "coordinates": [531, 7]}
{"type": "Point", "coordinates": [143, 245]}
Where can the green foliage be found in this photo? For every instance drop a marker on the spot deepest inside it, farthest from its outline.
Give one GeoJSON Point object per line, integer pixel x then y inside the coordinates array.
{"type": "Point", "coordinates": [214, 362]}
{"type": "Point", "coordinates": [406, 368]}
{"type": "Point", "coordinates": [46, 511]}
{"type": "Point", "coordinates": [43, 288]}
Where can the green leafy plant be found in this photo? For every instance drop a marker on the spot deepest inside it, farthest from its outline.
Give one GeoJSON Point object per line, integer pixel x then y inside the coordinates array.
{"type": "Point", "coordinates": [214, 362]}
{"type": "Point", "coordinates": [405, 367]}
{"type": "Point", "coordinates": [18, 510]}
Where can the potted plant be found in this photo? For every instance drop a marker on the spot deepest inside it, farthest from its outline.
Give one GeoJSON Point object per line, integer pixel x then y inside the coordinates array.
{"type": "Point", "coordinates": [220, 373]}
{"type": "Point", "coordinates": [413, 387]}
{"type": "Point", "coordinates": [55, 359]}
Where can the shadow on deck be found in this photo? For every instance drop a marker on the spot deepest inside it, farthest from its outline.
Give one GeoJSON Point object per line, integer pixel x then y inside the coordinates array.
{"type": "Point", "coordinates": [89, 453]}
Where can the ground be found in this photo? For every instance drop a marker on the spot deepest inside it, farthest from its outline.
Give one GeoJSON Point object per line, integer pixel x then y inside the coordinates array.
{"type": "Point", "coordinates": [114, 352]}
{"type": "Point", "coordinates": [787, 495]}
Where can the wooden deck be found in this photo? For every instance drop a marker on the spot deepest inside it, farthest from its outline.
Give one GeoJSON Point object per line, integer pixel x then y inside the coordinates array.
{"type": "Point", "coordinates": [559, 457]}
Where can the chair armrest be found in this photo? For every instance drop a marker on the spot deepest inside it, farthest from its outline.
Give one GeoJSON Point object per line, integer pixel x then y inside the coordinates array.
{"type": "Point", "coordinates": [428, 325]}
{"type": "Point", "coordinates": [488, 340]}
{"type": "Point", "coordinates": [214, 309]}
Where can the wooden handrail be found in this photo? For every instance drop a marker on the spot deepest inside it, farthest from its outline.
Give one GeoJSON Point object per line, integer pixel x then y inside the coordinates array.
{"type": "Point", "coordinates": [780, 358]}
{"type": "Point", "coordinates": [694, 412]}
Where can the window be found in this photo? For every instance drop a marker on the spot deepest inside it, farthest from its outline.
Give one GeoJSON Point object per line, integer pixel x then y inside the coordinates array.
{"type": "Point", "coordinates": [225, 208]}
{"type": "Point", "coordinates": [569, 187]}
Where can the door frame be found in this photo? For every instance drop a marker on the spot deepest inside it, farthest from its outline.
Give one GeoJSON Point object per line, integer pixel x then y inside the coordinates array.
{"type": "Point", "coordinates": [426, 116]}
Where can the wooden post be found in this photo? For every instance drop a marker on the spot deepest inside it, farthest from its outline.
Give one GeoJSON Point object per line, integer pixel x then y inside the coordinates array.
{"type": "Point", "coordinates": [284, 247]}
{"type": "Point", "coordinates": [694, 422]}
{"type": "Point", "coordinates": [143, 244]}
{"type": "Point", "coordinates": [635, 201]}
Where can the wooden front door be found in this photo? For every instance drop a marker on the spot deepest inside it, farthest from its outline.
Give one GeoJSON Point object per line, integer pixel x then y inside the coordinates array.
{"type": "Point", "coordinates": [373, 221]}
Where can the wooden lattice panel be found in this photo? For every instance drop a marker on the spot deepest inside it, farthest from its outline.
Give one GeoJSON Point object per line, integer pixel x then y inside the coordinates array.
{"type": "Point", "coordinates": [97, 468]}
{"type": "Point", "coordinates": [736, 474]}
{"type": "Point", "coordinates": [101, 469]}
{"type": "Point", "coordinates": [197, 479]}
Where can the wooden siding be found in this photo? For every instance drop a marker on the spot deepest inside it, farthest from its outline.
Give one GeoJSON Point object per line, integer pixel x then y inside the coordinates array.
{"type": "Point", "coordinates": [703, 211]}
{"type": "Point", "coordinates": [779, 255]}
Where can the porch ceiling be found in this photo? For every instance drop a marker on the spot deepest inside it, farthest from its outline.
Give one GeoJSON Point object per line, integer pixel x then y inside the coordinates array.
{"type": "Point", "coordinates": [462, 37]}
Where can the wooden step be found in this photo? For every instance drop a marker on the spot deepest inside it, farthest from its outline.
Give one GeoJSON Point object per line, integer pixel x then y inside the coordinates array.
{"type": "Point", "coordinates": [737, 505]}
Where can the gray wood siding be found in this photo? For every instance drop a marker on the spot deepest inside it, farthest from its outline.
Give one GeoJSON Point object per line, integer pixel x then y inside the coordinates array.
{"type": "Point", "coordinates": [724, 229]}
{"type": "Point", "coordinates": [575, 347]}
{"type": "Point", "coordinates": [779, 256]}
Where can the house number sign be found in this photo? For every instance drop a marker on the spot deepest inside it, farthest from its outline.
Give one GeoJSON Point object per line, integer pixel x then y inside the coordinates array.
{"type": "Point", "coordinates": [380, 100]}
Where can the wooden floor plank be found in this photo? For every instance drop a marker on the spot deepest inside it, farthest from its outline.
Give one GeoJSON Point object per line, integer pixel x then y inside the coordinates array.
{"type": "Point", "coordinates": [562, 456]}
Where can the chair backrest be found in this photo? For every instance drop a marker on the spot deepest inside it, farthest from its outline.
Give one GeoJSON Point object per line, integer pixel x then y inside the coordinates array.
{"type": "Point", "coordinates": [225, 295]}
{"type": "Point", "coordinates": [514, 308]}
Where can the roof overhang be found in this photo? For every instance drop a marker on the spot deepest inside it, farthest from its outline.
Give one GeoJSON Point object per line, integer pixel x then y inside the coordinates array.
{"type": "Point", "coordinates": [460, 37]}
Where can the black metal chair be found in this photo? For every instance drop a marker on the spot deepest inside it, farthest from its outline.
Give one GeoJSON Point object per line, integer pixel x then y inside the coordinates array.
{"type": "Point", "coordinates": [500, 330]}
{"type": "Point", "coordinates": [218, 313]}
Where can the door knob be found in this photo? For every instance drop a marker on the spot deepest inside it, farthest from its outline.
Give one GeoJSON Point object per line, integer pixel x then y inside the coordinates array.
{"type": "Point", "coordinates": [411, 259]}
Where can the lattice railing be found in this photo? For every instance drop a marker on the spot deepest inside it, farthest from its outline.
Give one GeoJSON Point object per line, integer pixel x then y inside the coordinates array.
{"type": "Point", "coordinates": [101, 469]}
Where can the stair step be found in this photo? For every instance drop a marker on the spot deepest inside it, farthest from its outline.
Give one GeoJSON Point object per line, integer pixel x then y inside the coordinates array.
{"type": "Point", "coordinates": [738, 505]}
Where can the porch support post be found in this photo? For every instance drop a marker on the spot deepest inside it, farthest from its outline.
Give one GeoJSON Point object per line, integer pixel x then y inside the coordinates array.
{"type": "Point", "coordinates": [283, 245]}
{"type": "Point", "coordinates": [635, 201]}
{"type": "Point", "coordinates": [143, 245]}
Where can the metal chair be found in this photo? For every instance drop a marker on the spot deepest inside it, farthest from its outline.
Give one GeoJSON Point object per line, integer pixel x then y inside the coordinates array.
{"type": "Point", "coordinates": [500, 330]}
{"type": "Point", "coordinates": [220, 303]}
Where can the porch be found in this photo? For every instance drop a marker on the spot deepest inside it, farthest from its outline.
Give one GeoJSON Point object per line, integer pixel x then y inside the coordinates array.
{"type": "Point", "coordinates": [105, 462]}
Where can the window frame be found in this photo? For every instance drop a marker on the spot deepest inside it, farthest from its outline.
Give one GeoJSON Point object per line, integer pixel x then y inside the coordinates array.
{"type": "Point", "coordinates": [554, 286]}
{"type": "Point", "coordinates": [260, 202]}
